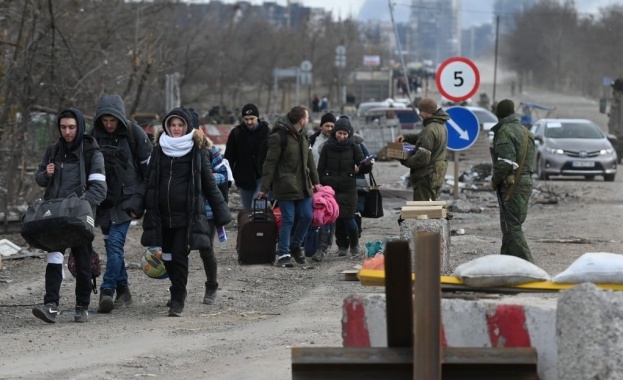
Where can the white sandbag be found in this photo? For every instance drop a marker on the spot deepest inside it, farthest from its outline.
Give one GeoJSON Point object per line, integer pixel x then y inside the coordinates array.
{"type": "Point", "coordinates": [499, 270]}
{"type": "Point", "coordinates": [595, 267]}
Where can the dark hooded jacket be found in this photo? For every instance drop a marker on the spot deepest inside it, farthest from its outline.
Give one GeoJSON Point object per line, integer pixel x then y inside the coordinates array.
{"type": "Point", "coordinates": [336, 168]}
{"type": "Point", "coordinates": [177, 188]}
{"type": "Point", "coordinates": [430, 149]}
{"type": "Point", "coordinates": [245, 151]}
{"type": "Point", "coordinates": [66, 157]}
{"type": "Point", "coordinates": [126, 162]}
{"type": "Point", "coordinates": [290, 173]}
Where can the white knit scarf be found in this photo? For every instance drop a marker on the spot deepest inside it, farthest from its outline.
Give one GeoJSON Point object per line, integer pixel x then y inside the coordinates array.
{"type": "Point", "coordinates": [176, 146]}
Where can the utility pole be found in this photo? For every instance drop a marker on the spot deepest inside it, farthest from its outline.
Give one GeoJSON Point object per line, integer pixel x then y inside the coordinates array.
{"type": "Point", "coordinates": [495, 63]}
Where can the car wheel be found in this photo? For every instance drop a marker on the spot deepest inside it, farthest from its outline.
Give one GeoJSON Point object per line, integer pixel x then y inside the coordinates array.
{"type": "Point", "coordinates": [540, 172]}
{"type": "Point", "coordinates": [609, 177]}
{"type": "Point", "coordinates": [589, 177]}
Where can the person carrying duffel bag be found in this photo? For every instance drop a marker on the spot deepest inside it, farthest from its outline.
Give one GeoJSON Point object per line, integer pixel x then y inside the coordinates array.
{"type": "Point", "coordinates": [72, 170]}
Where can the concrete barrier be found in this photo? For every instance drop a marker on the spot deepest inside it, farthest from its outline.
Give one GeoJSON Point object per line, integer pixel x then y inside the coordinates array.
{"type": "Point", "coordinates": [590, 333]}
{"type": "Point", "coordinates": [482, 323]}
{"type": "Point", "coordinates": [409, 227]}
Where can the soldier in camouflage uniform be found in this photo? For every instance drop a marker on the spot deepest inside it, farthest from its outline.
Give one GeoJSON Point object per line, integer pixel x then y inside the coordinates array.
{"type": "Point", "coordinates": [428, 163]}
{"type": "Point", "coordinates": [509, 144]}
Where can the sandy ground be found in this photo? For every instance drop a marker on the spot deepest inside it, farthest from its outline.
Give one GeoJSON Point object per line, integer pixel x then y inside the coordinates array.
{"type": "Point", "coordinates": [263, 311]}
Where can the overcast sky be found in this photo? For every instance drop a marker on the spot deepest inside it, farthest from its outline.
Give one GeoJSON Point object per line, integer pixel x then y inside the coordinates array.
{"type": "Point", "coordinates": [474, 11]}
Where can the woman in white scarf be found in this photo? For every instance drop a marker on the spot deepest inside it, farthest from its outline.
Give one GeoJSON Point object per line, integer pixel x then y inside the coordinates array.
{"type": "Point", "coordinates": [180, 181]}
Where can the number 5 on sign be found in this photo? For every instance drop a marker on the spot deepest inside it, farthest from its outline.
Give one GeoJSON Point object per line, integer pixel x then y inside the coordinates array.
{"type": "Point", "coordinates": [457, 79]}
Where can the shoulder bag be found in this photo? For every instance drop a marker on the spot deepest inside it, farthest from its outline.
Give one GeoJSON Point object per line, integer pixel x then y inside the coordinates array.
{"type": "Point", "coordinates": [373, 207]}
{"type": "Point", "coordinates": [57, 224]}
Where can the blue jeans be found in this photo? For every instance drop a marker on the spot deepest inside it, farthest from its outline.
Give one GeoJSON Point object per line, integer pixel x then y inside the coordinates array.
{"type": "Point", "coordinates": [302, 208]}
{"type": "Point", "coordinates": [248, 196]}
{"type": "Point", "coordinates": [115, 274]}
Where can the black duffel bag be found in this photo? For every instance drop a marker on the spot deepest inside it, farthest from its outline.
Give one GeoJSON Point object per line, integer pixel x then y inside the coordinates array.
{"type": "Point", "coordinates": [56, 224]}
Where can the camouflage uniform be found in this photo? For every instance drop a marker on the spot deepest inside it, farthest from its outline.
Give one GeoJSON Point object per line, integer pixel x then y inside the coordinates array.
{"type": "Point", "coordinates": [509, 143]}
{"type": "Point", "coordinates": [428, 164]}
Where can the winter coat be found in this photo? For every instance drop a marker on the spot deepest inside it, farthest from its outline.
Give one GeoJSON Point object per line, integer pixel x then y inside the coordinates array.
{"type": "Point", "coordinates": [290, 173]}
{"type": "Point", "coordinates": [509, 143]}
{"type": "Point", "coordinates": [66, 179]}
{"type": "Point", "coordinates": [429, 158]}
{"type": "Point", "coordinates": [336, 168]}
{"type": "Point", "coordinates": [124, 173]}
{"type": "Point", "coordinates": [176, 191]}
{"type": "Point", "coordinates": [245, 153]}
{"type": "Point", "coordinates": [325, 208]}
{"type": "Point", "coordinates": [316, 141]}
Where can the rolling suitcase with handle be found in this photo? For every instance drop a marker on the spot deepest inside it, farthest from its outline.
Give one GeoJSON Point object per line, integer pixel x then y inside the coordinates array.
{"type": "Point", "coordinates": [257, 234]}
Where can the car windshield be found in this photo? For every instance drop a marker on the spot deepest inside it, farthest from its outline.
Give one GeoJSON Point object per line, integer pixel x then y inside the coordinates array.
{"type": "Point", "coordinates": [572, 130]}
{"type": "Point", "coordinates": [484, 117]}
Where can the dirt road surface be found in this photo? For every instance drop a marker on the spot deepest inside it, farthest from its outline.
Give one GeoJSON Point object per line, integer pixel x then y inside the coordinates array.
{"type": "Point", "coordinates": [263, 311]}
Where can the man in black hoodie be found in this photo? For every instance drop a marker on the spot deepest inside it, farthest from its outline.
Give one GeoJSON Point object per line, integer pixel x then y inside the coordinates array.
{"type": "Point", "coordinates": [245, 151]}
{"type": "Point", "coordinates": [126, 150]}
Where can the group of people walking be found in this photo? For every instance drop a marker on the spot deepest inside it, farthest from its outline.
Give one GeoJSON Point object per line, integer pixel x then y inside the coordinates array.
{"type": "Point", "coordinates": [180, 183]}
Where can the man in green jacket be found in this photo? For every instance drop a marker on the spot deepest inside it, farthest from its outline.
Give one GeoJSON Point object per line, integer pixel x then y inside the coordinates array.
{"type": "Point", "coordinates": [428, 163]}
{"type": "Point", "coordinates": [292, 175]}
{"type": "Point", "coordinates": [513, 154]}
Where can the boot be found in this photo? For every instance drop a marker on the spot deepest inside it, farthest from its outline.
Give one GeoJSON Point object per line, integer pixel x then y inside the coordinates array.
{"type": "Point", "coordinates": [177, 304]}
{"type": "Point", "coordinates": [353, 239]}
{"type": "Point", "coordinates": [210, 295]}
{"type": "Point", "coordinates": [124, 297]}
{"type": "Point", "coordinates": [106, 301]}
{"type": "Point", "coordinates": [323, 243]}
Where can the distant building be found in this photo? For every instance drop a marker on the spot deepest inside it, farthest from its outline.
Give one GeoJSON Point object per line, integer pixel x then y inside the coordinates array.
{"type": "Point", "coordinates": [436, 26]}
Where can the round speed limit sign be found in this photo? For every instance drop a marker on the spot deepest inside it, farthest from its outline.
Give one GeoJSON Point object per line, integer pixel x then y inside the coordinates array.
{"type": "Point", "coordinates": [457, 79]}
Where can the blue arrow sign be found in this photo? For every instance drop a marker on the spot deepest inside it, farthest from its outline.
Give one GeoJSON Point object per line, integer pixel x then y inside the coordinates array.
{"type": "Point", "coordinates": [463, 128]}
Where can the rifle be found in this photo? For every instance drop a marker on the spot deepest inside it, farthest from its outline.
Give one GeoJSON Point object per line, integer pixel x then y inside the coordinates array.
{"type": "Point", "coordinates": [498, 192]}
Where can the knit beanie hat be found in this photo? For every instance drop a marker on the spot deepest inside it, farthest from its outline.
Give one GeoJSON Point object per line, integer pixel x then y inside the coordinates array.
{"type": "Point", "coordinates": [427, 105]}
{"type": "Point", "coordinates": [327, 118]}
{"type": "Point", "coordinates": [250, 110]}
{"type": "Point", "coordinates": [342, 124]}
{"type": "Point", "coordinates": [504, 108]}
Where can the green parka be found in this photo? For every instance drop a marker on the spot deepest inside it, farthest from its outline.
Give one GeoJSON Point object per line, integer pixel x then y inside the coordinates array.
{"type": "Point", "coordinates": [509, 143]}
{"type": "Point", "coordinates": [430, 149]}
{"type": "Point", "coordinates": [290, 173]}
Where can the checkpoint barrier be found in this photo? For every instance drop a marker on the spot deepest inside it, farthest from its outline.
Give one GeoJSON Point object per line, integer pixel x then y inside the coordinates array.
{"type": "Point", "coordinates": [484, 323]}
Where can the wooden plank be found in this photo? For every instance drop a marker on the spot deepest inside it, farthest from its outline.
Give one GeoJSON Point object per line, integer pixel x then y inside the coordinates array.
{"type": "Point", "coordinates": [374, 363]}
{"type": "Point", "coordinates": [426, 306]}
{"type": "Point", "coordinates": [350, 275]}
{"type": "Point", "coordinates": [426, 203]}
{"type": "Point", "coordinates": [435, 212]}
{"type": "Point", "coordinates": [398, 294]}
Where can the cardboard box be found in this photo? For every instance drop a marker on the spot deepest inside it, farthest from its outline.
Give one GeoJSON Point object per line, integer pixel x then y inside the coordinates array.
{"type": "Point", "coordinates": [400, 151]}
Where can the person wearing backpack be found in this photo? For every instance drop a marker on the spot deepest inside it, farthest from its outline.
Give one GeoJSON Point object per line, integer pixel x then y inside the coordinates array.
{"type": "Point", "coordinates": [245, 151]}
{"type": "Point", "coordinates": [126, 149]}
{"type": "Point", "coordinates": [60, 172]}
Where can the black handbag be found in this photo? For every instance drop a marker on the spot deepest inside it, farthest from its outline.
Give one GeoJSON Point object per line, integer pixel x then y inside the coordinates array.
{"type": "Point", "coordinates": [373, 208]}
{"type": "Point", "coordinates": [57, 224]}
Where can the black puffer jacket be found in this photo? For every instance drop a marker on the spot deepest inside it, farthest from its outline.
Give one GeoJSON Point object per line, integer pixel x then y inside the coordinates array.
{"type": "Point", "coordinates": [336, 168]}
{"type": "Point", "coordinates": [176, 189]}
{"type": "Point", "coordinates": [245, 153]}
{"type": "Point", "coordinates": [125, 172]}
{"type": "Point", "coordinates": [66, 157]}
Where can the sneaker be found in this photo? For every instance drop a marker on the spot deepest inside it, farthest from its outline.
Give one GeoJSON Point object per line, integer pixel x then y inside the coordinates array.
{"type": "Point", "coordinates": [176, 308]}
{"type": "Point", "coordinates": [106, 301]}
{"type": "Point", "coordinates": [123, 298]}
{"type": "Point", "coordinates": [285, 262]}
{"type": "Point", "coordinates": [81, 315]}
{"type": "Point", "coordinates": [46, 313]}
{"type": "Point", "coordinates": [354, 251]}
{"type": "Point", "coordinates": [342, 252]}
{"type": "Point", "coordinates": [210, 297]}
{"type": "Point", "coordinates": [298, 255]}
